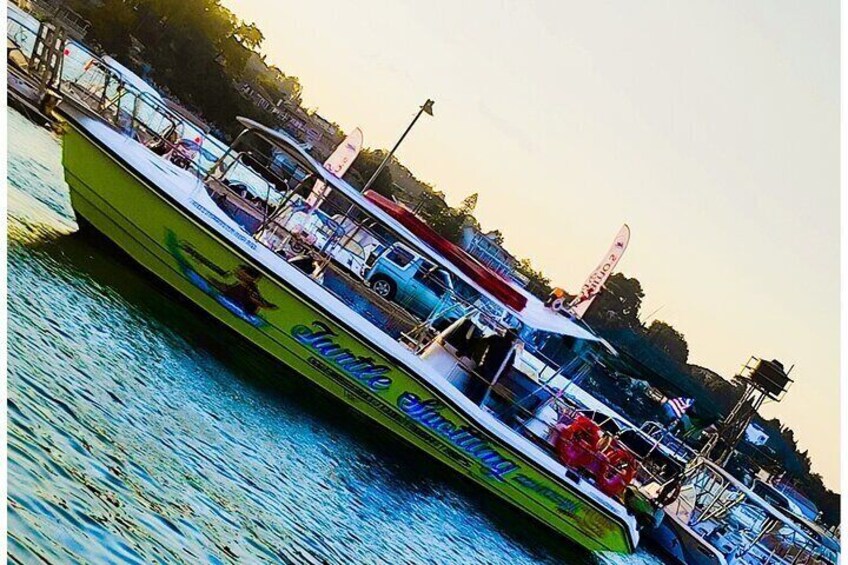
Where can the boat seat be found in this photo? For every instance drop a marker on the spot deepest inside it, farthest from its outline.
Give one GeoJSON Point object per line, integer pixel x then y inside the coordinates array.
{"type": "Point", "coordinates": [443, 357]}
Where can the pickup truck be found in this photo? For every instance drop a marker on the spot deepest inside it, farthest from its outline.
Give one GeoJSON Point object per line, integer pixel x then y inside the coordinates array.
{"type": "Point", "coordinates": [427, 291]}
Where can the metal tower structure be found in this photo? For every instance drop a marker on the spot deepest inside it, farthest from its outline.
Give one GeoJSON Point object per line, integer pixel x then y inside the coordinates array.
{"type": "Point", "coordinates": [763, 380]}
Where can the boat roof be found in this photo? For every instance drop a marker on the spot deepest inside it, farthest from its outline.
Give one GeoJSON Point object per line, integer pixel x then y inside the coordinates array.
{"type": "Point", "coordinates": [534, 314]}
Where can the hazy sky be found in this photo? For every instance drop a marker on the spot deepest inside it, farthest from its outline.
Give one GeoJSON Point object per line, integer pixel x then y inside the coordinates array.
{"type": "Point", "coordinates": [711, 128]}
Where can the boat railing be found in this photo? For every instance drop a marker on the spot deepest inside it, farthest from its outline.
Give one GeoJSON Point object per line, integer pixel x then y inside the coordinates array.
{"type": "Point", "coordinates": [274, 210]}
{"type": "Point", "coordinates": [670, 442]}
{"type": "Point", "coordinates": [291, 219]}
{"type": "Point", "coordinates": [726, 510]}
{"type": "Point", "coordinates": [102, 91]}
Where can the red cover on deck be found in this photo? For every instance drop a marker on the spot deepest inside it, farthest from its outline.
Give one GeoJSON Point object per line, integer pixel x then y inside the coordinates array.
{"type": "Point", "coordinates": [476, 271]}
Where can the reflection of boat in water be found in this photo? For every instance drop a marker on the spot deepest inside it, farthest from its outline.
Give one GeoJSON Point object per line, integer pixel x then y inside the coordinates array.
{"type": "Point", "coordinates": [182, 226]}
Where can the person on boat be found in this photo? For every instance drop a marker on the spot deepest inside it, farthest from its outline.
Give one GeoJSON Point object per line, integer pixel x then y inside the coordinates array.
{"type": "Point", "coordinates": [498, 355]}
{"type": "Point", "coordinates": [244, 292]}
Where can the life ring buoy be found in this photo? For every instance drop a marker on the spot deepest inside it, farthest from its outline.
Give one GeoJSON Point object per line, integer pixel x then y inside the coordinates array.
{"type": "Point", "coordinates": [577, 442]}
{"type": "Point", "coordinates": [616, 470]}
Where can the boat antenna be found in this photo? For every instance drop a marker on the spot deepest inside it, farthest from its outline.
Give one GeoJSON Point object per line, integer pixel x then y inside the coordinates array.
{"type": "Point", "coordinates": [652, 314]}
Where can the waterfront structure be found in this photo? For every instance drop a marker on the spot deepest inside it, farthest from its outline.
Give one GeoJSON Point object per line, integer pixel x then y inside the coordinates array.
{"type": "Point", "coordinates": [487, 249]}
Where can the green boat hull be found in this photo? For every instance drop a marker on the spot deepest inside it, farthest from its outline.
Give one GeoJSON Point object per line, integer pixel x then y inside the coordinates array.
{"type": "Point", "coordinates": [228, 284]}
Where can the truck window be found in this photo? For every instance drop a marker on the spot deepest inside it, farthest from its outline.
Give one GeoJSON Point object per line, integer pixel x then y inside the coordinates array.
{"type": "Point", "coordinates": [443, 279]}
{"type": "Point", "coordinates": [400, 256]}
{"type": "Point", "coordinates": [432, 278]}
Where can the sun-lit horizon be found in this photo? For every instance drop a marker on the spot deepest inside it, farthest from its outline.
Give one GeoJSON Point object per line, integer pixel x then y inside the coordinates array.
{"type": "Point", "coordinates": [711, 129]}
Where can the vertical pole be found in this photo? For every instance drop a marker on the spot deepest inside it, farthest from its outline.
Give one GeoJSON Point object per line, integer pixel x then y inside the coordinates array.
{"type": "Point", "coordinates": [497, 376]}
{"type": "Point", "coordinates": [427, 107]}
{"type": "Point", "coordinates": [226, 154]}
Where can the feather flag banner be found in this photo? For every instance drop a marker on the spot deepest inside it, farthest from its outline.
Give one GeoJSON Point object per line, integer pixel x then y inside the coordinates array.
{"type": "Point", "coordinates": [338, 163]}
{"type": "Point", "coordinates": [602, 272]}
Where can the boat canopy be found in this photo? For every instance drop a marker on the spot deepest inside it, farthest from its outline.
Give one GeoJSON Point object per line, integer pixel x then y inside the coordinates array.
{"type": "Point", "coordinates": [533, 313]}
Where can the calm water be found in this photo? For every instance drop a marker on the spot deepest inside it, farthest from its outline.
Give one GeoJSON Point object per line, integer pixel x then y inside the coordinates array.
{"type": "Point", "coordinates": [139, 431]}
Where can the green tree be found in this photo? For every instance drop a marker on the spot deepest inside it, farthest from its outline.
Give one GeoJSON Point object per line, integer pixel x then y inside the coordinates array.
{"type": "Point", "coordinates": [539, 285]}
{"type": "Point", "coordinates": [249, 36]}
{"type": "Point", "coordinates": [366, 165]}
{"type": "Point", "coordinates": [110, 24]}
{"type": "Point", "coordinates": [290, 85]}
{"type": "Point", "coordinates": [467, 206]}
{"type": "Point", "coordinates": [668, 340]}
{"type": "Point", "coordinates": [617, 305]}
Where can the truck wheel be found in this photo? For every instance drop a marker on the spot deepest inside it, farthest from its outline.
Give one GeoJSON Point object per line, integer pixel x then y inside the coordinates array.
{"type": "Point", "coordinates": [384, 287]}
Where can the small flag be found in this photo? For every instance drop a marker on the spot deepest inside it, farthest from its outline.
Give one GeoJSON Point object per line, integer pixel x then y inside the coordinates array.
{"type": "Point", "coordinates": [680, 405]}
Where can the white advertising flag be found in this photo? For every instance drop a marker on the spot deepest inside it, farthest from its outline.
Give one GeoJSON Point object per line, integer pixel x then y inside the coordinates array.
{"type": "Point", "coordinates": [338, 163]}
{"type": "Point", "coordinates": [599, 276]}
